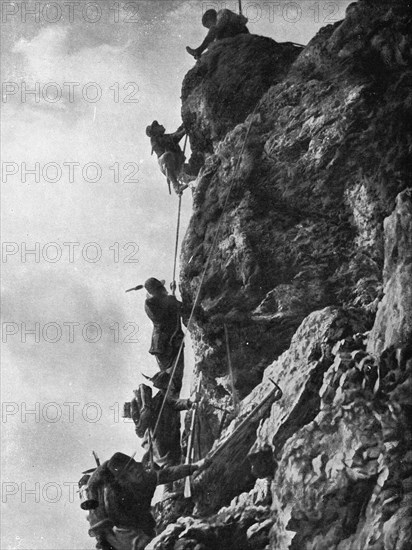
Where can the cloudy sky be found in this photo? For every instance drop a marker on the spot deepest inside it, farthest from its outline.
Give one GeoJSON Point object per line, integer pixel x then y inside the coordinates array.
{"type": "Point", "coordinates": [78, 180]}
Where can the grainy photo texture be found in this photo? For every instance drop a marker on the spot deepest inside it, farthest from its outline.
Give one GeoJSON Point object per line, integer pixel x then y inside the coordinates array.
{"type": "Point", "coordinates": [206, 275]}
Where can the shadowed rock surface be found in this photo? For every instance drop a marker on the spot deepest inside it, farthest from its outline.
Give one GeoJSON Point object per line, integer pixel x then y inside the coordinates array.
{"type": "Point", "coordinates": [226, 83]}
{"type": "Point", "coordinates": [311, 273]}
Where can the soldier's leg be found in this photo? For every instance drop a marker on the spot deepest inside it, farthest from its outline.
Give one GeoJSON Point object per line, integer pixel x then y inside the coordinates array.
{"type": "Point", "coordinates": [177, 186]}
{"type": "Point", "coordinates": [171, 169]}
{"type": "Point", "coordinates": [164, 360]}
{"type": "Point", "coordinates": [162, 164]}
{"type": "Point", "coordinates": [210, 37]}
{"type": "Point", "coordinates": [178, 376]}
{"type": "Point", "coordinates": [174, 455]}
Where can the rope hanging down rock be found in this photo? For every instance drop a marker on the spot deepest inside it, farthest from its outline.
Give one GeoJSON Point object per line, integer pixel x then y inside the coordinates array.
{"type": "Point", "coordinates": [212, 249]}
{"type": "Point", "coordinates": [173, 283]}
{"type": "Point", "coordinates": [189, 454]}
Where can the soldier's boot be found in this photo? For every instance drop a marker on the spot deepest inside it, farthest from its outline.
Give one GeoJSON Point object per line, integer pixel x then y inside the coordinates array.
{"type": "Point", "coordinates": [193, 52]}
{"type": "Point", "coordinates": [179, 187]}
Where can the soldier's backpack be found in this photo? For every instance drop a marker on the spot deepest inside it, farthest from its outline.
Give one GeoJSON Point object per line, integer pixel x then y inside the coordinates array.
{"type": "Point", "coordinates": [140, 409]}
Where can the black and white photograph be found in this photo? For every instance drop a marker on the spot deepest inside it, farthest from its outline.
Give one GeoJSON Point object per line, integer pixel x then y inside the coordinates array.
{"type": "Point", "coordinates": [206, 275]}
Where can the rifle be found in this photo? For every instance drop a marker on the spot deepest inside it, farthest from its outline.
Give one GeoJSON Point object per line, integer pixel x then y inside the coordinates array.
{"type": "Point", "coordinates": [187, 491]}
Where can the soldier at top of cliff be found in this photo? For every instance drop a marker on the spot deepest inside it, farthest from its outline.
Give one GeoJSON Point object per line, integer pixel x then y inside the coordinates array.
{"type": "Point", "coordinates": [221, 24]}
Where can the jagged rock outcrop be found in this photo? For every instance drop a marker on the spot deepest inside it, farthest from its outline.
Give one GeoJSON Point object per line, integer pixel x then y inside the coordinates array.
{"type": "Point", "coordinates": [299, 372]}
{"type": "Point", "coordinates": [393, 324]}
{"type": "Point", "coordinates": [305, 209]}
{"type": "Point", "coordinates": [246, 521]}
{"type": "Point", "coordinates": [242, 67]}
{"type": "Point", "coordinates": [327, 152]}
{"type": "Point", "coordinates": [341, 438]}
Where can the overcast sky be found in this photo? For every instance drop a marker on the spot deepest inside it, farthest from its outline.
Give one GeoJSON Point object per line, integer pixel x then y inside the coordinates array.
{"type": "Point", "coordinates": [101, 76]}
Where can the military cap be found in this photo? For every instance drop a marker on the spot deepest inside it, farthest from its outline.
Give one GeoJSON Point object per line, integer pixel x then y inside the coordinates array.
{"type": "Point", "coordinates": [209, 15]}
{"type": "Point", "coordinates": [152, 128]}
{"type": "Point", "coordinates": [153, 284]}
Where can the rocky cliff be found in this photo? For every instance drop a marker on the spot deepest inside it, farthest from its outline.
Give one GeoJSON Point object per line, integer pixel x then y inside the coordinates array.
{"type": "Point", "coordinates": [302, 237]}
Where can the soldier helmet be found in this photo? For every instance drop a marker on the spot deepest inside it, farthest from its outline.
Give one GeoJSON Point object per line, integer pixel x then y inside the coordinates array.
{"type": "Point", "coordinates": [153, 284]}
{"type": "Point", "coordinates": [154, 129]}
{"type": "Point", "coordinates": [118, 463]}
{"type": "Point", "coordinates": [209, 17]}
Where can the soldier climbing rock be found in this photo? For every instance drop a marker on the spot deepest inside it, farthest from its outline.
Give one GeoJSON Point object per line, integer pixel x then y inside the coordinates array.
{"type": "Point", "coordinates": [170, 156]}
{"type": "Point", "coordinates": [164, 446]}
{"type": "Point", "coordinates": [164, 310]}
{"type": "Point", "coordinates": [118, 497]}
{"type": "Point", "coordinates": [166, 442]}
{"type": "Point", "coordinates": [222, 24]}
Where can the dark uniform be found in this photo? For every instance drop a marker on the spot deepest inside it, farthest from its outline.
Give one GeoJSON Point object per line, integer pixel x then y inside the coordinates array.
{"type": "Point", "coordinates": [120, 492]}
{"type": "Point", "coordinates": [168, 142]}
{"type": "Point", "coordinates": [166, 443]}
{"type": "Point", "coordinates": [170, 156]}
{"type": "Point", "coordinates": [165, 313]}
{"type": "Point", "coordinates": [163, 446]}
{"type": "Point", "coordinates": [222, 24]}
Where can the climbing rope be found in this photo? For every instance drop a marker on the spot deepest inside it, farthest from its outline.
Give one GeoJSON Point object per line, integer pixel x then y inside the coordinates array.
{"type": "Point", "coordinates": [212, 249]}
{"type": "Point", "coordinates": [151, 453]}
{"type": "Point", "coordinates": [173, 284]}
{"type": "Point", "coordinates": [235, 400]}
{"type": "Point", "coordinates": [191, 439]}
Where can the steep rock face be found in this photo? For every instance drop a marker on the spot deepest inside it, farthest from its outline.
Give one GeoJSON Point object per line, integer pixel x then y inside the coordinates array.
{"type": "Point", "coordinates": [299, 372]}
{"type": "Point", "coordinates": [393, 324]}
{"type": "Point", "coordinates": [345, 475]}
{"type": "Point", "coordinates": [227, 82]}
{"type": "Point", "coordinates": [301, 234]}
{"type": "Point", "coordinates": [290, 207]}
{"type": "Point", "coordinates": [341, 440]}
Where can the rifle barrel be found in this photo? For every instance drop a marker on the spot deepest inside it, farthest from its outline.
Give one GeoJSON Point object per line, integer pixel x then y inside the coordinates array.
{"type": "Point", "coordinates": [187, 489]}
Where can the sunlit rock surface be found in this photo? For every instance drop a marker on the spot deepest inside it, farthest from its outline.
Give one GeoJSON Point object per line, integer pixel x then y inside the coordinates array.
{"type": "Point", "coordinates": [393, 324]}
{"type": "Point", "coordinates": [309, 222]}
